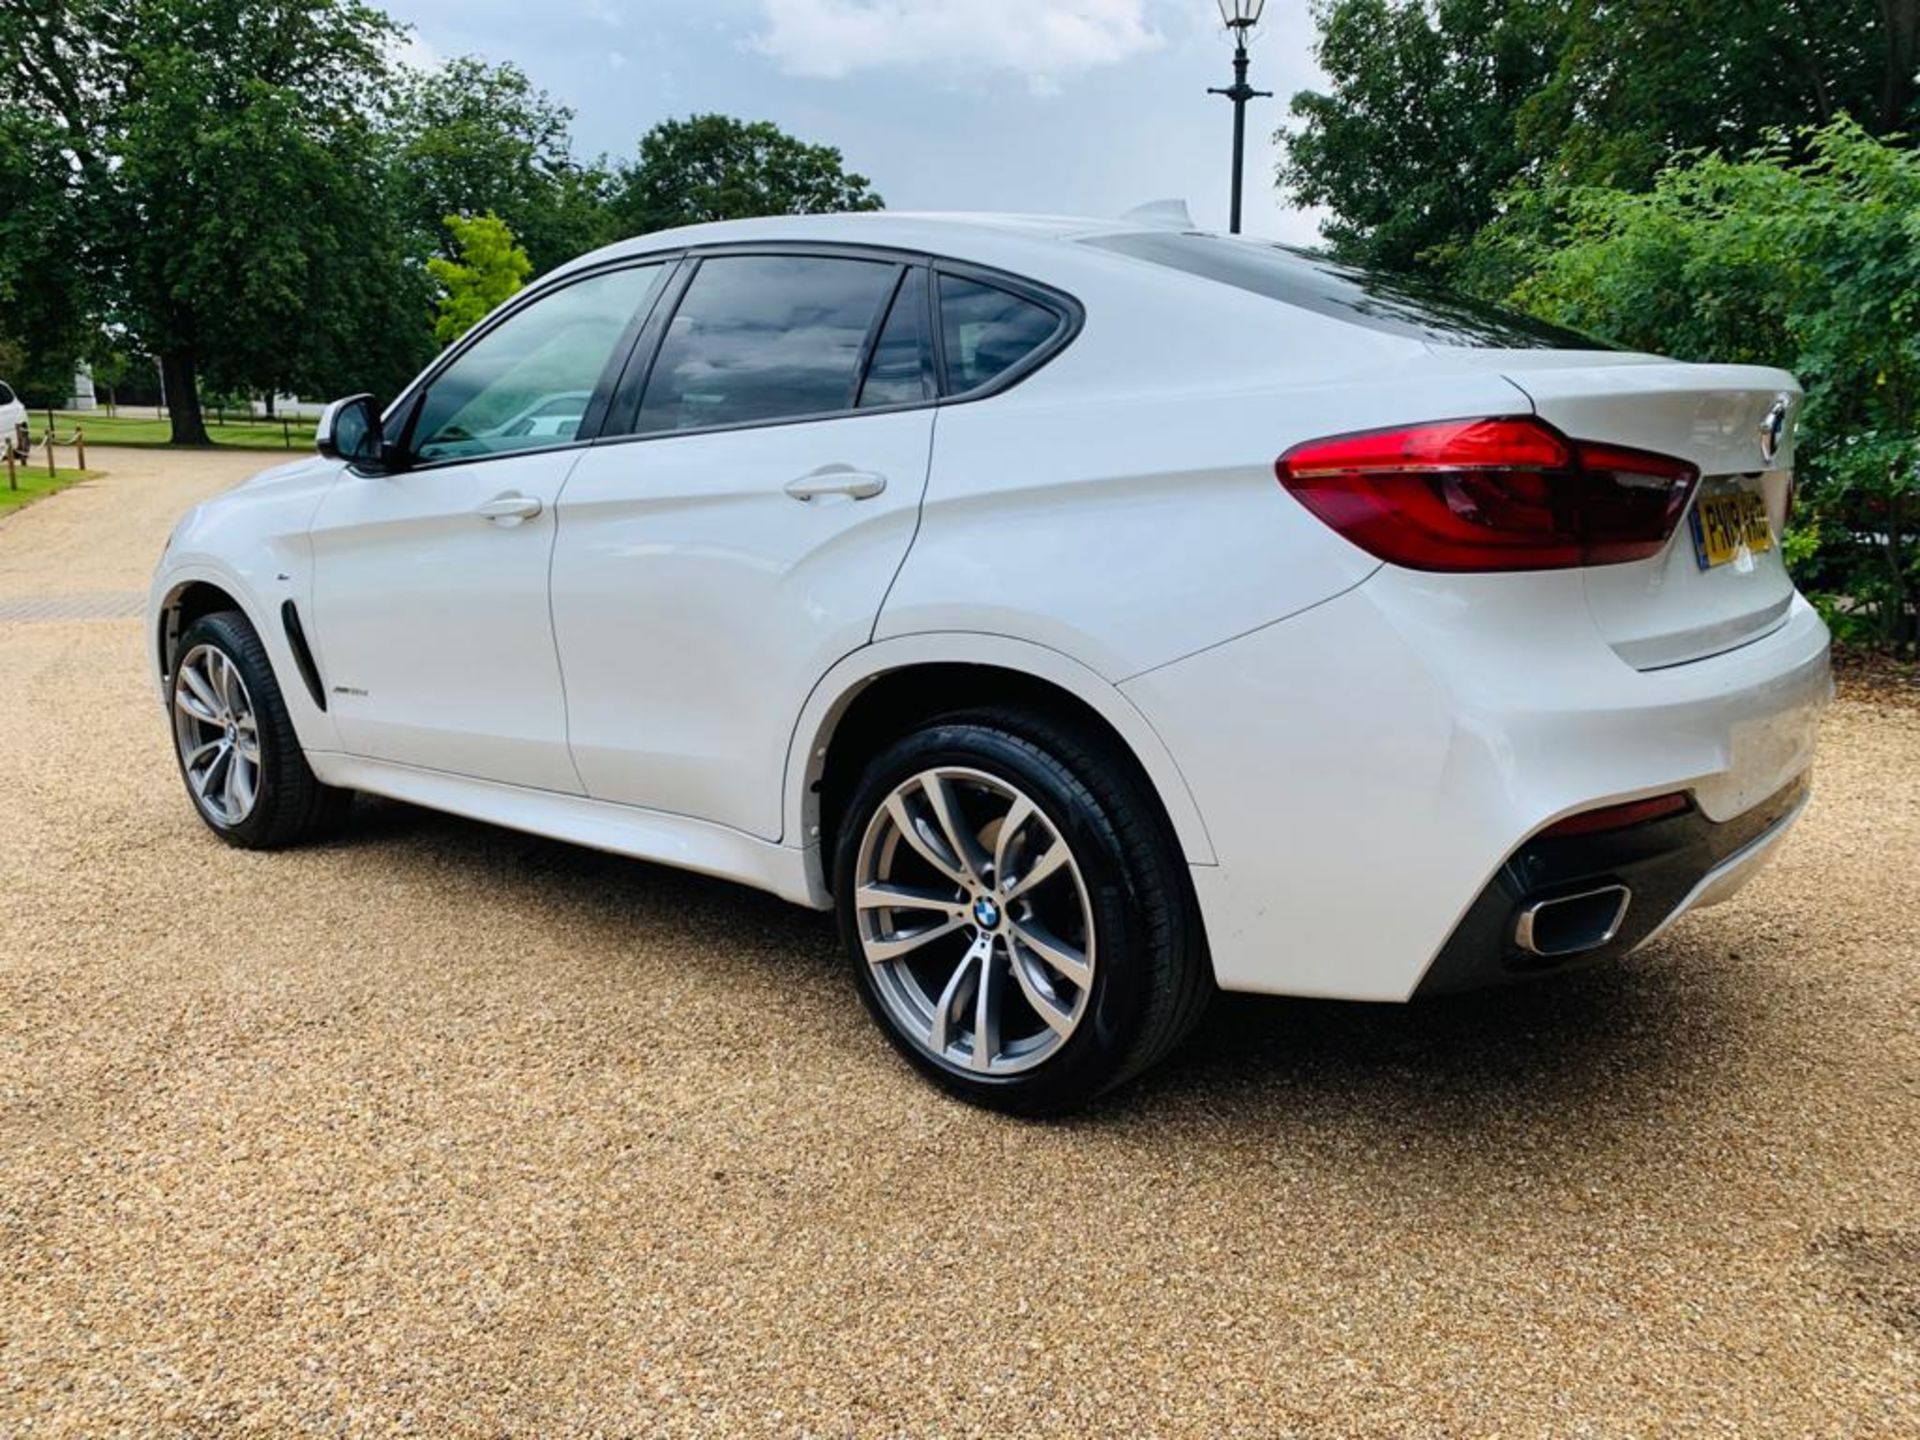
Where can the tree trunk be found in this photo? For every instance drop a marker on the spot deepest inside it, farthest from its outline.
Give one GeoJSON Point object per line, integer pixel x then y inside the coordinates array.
{"type": "Point", "coordinates": [178, 373]}
{"type": "Point", "coordinates": [1903, 57]}
{"type": "Point", "coordinates": [269, 402]}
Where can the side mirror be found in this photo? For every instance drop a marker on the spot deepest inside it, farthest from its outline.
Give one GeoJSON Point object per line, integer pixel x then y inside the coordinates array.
{"type": "Point", "coordinates": [349, 430]}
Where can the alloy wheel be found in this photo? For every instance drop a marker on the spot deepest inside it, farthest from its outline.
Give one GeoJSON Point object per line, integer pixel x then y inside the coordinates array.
{"type": "Point", "coordinates": [972, 912]}
{"type": "Point", "coordinates": [217, 734]}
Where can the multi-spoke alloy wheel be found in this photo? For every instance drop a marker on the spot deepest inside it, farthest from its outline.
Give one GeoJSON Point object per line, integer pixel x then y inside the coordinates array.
{"type": "Point", "coordinates": [1016, 912]}
{"type": "Point", "coordinates": [238, 751]}
{"type": "Point", "coordinates": [218, 734]}
{"type": "Point", "coordinates": [974, 916]}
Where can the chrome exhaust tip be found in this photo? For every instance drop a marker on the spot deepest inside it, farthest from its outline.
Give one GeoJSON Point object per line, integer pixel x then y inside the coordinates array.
{"type": "Point", "coordinates": [1570, 924]}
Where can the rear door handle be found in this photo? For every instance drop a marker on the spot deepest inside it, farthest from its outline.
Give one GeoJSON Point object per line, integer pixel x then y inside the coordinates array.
{"type": "Point", "coordinates": [509, 509]}
{"type": "Point", "coordinates": [837, 480]}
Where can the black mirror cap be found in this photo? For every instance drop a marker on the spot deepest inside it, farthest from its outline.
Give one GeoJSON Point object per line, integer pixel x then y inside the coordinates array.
{"type": "Point", "coordinates": [349, 430]}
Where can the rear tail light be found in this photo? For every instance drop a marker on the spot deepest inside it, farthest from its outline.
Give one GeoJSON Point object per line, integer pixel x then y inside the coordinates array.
{"type": "Point", "coordinates": [1617, 817]}
{"type": "Point", "coordinates": [1497, 494]}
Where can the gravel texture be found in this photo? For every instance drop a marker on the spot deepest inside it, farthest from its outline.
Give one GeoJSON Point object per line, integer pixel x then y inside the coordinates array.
{"type": "Point", "coordinates": [445, 1130]}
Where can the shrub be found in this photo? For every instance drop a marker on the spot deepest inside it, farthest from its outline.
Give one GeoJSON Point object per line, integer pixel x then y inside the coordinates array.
{"type": "Point", "coordinates": [1803, 254]}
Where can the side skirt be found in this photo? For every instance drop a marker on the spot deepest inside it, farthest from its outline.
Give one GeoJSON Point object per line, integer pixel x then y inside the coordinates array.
{"type": "Point", "coordinates": [676, 840]}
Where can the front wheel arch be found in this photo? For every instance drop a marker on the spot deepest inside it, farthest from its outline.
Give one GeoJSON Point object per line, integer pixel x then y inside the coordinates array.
{"type": "Point", "coordinates": [186, 604]}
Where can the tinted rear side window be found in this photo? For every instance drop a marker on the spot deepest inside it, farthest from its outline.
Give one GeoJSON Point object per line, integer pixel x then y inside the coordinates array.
{"type": "Point", "coordinates": [765, 337]}
{"type": "Point", "coordinates": [1378, 300]}
{"type": "Point", "coordinates": [897, 374]}
{"type": "Point", "coordinates": [6, 395]}
{"type": "Point", "coordinates": [986, 331]}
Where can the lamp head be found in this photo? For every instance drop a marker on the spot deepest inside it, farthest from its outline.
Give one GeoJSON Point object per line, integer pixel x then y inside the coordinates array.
{"type": "Point", "coordinates": [1241, 15]}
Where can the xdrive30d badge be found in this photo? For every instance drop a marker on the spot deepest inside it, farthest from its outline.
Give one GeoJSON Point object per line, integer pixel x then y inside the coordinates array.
{"type": "Point", "coordinates": [1093, 615]}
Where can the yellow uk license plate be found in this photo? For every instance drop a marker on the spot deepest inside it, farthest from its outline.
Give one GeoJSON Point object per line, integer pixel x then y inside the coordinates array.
{"type": "Point", "coordinates": [1727, 523]}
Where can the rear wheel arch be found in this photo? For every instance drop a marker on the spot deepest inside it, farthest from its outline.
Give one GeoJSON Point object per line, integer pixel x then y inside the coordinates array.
{"type": "Point", "coordinates": [851, 721]}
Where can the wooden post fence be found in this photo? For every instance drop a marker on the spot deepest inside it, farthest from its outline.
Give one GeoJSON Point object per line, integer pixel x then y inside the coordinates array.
{"type": "Point", "coordinates": [78, 440]}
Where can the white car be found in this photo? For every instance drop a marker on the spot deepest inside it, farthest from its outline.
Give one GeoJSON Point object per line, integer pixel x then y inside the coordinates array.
{"type": "Point", "coordinates": [1092, 614]}
{"type": "Point", "coordinates": [13, 421]}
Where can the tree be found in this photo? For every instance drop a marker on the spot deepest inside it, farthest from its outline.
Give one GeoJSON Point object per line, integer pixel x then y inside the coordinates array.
{"type": "Point", "coordinates": [490, 268]}
{"type": "Point", "coordinates": [478, 139]}
{"type": "Point", "coordinates": [713, 167]}
{"type": "Point", "coordinates": [1414, 141]}
{"type": "Point", "coordinates": [1804, 254]}
{"type": "Point", "coordinates": [1638, 81]}
{"type": "Point", "coordinates": [1438, 110]}
{"type": "Point", "coordinates": [228, 175]}
{"type": "Point", "coordinates": [41, 286]}
{"type": "Point", "coordinates": [113, 368]}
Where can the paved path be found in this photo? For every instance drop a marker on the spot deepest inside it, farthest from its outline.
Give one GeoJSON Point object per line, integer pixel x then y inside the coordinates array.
{"type": "Point", "coordinates": [445, 1130]}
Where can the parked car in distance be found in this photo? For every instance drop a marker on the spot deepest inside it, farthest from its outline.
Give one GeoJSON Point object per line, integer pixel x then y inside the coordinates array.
{"type": "Point", "coordinates": [1092, 614]}
{"type": "Point", "coordinates": [13, 420]}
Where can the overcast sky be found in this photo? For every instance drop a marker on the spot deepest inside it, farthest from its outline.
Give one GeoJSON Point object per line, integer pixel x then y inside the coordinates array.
{"type": "Point", "coordinates": [1061, 106]}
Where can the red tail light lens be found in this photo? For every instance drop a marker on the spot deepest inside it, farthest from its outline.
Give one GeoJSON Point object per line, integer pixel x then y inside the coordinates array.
{"type": "Point", "coordinates": [1499, 494]}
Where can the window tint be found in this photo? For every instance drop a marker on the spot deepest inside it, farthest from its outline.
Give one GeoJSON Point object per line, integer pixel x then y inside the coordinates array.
{"type": "Point", "coordinates": [6, 395]}
{"type": "Point", "coordinates": [1375, 299]}
{"type": "Point", "coordinates": [897, 374]}
{"type": "Point", "coordinates": [526, 383]}
{"type": "Point", "coordinates": [765, 337]}
{"type": "Point", "coordinates": [986, 330]}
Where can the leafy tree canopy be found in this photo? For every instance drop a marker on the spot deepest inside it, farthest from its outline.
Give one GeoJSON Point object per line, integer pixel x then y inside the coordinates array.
{"type": "Point", "coordinates": [491, 268]}
{"type": "Point", "coordinates": [1435, 108]}
{"type": "Point", "coordinates": [224, 193]}
{"type": "Point", "coordinates": [1415, 139]}
{"type": "Point", "coordinates": [478, 139]}
{"type": "Point", "coordinates": [42, 290]}
{"type": "Point", "coordinates": [713, 167]}
{"type": "Point", "coordinates": [250, 191]}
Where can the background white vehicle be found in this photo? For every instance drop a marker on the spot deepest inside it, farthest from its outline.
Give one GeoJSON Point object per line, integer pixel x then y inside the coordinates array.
{"type": "Point", "coordinates": [1091, 613]}
{"type": "Point", "coordinates": [13, 420]}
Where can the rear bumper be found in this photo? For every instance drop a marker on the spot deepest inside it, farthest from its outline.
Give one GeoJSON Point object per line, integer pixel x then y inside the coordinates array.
{"type": "Point", "coordinates": [1367, 769]}
{"type": "Point", "coordinates": [1660, 869]}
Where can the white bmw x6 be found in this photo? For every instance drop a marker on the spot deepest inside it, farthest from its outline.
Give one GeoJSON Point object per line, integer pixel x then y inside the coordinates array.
{"type": "Point", "coordinates": [1092, 614]}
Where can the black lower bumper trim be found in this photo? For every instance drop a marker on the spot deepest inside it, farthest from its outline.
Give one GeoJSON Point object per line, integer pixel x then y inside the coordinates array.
{"type": "Point", "coordinates": [1660, 861]}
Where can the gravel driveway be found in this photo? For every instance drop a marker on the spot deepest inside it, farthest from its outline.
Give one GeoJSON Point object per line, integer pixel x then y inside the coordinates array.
{"type": "Point", "coordinates": [443, 1129]}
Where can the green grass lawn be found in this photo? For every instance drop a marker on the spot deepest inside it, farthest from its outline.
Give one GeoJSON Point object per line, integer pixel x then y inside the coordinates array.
{"type": "Point", "coordinates": [237, 433]}
{"type": "Point", "coordinates": [33, 482]}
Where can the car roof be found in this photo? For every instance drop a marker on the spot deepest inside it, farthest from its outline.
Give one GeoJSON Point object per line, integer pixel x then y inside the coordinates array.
{"type": "Point", "coordinates": [959, 233]}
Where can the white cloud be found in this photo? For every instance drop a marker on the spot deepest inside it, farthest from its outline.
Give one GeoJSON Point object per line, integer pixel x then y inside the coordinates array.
{"type": "Point", "coordinates": [1042, 40]}
{"type": "Point", "coordinates": [410, 50]}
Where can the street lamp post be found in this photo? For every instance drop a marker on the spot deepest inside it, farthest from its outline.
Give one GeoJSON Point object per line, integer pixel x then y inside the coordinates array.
{"type": "Point", "coordinates": [1239, 16]}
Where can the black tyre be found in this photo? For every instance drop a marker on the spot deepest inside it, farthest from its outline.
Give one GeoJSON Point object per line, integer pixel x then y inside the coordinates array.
{"type": "Point", "coordinates": [1016, 911]}
{"type": "Point", "coordinates": [241, 762]}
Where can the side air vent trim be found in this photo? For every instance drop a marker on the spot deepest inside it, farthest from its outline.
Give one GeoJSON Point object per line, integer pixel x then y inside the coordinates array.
{"type": "Point", "coordinates": [302, 656]}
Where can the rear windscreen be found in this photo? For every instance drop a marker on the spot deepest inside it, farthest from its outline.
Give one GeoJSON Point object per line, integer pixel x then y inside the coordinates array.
{"type": "Point", "coordinates": [1395, 304]}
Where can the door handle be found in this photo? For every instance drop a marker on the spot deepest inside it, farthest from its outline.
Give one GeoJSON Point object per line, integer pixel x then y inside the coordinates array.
{"type": "Point", "coordinates": [509, 509]}
{"type": "Point", "coordinates": [837, 480]}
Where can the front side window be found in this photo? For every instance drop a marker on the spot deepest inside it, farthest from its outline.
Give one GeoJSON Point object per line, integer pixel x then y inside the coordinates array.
{"type": "Point", "coordinates": [526, 383]}
{"type": "Point", "coordinates": [986, 331]}
{"type": "Point", "coordinates": [759, 338]}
